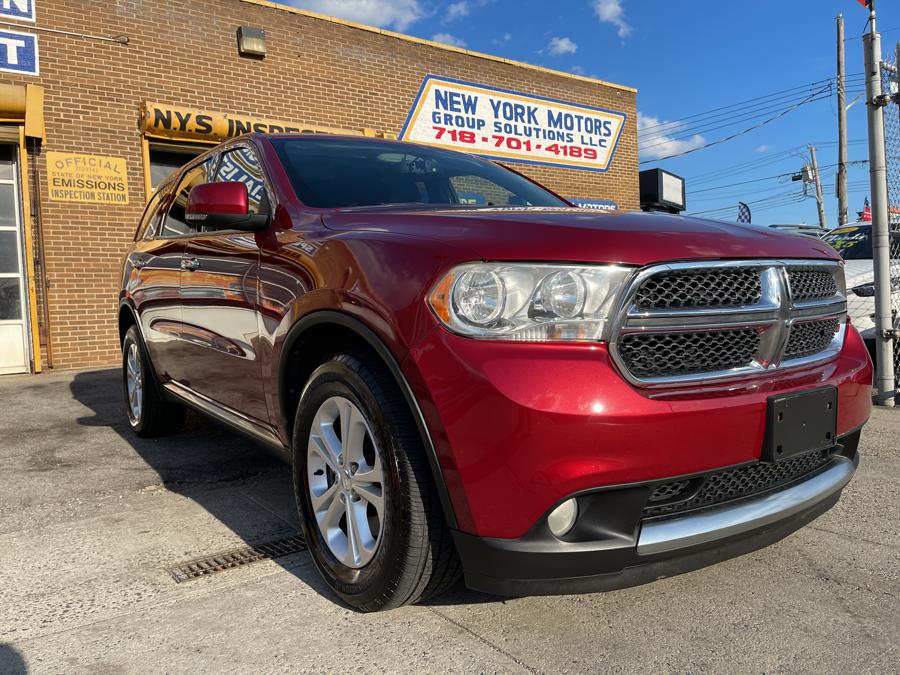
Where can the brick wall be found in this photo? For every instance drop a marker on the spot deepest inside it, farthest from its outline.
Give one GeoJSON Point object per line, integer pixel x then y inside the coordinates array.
{"type": "Point", "coordinates": [183, 52]}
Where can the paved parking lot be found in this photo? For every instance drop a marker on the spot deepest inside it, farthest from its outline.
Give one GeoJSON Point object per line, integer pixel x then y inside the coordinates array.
{"type": "Point", "coordinates": [91, 518]}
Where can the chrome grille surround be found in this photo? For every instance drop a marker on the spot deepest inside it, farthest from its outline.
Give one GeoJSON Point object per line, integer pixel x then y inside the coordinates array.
{"type": "Point", "coordinates": [773, 317]}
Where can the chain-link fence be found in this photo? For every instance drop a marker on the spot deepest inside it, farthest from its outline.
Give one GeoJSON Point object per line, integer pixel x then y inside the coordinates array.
{"type": "Point", "coordinates": [891, 85]}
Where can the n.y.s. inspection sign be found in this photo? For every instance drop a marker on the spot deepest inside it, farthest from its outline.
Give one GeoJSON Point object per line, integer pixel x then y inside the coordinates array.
{"type": "Point", "coordinates": [512, 126]}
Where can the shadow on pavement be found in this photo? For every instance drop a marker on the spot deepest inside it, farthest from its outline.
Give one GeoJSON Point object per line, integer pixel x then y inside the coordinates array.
{"type": "Point", "coordinates": [239, 483]}
{"type": "Point", "coordinates": [11, 661]}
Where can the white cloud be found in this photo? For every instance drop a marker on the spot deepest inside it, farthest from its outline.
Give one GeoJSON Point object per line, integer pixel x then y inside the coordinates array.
{"type": "Point", "coordinates": [448, 39]}
{"type": "Point", "coordinates": [610, 11]}
{"type": "Point", "coordinates": [457, 10]}
{"type": "Point", "coordinates": [503, 39]}
{"type": "Point", "coordinates": [577, 70]}
{"type": "Point", "coordinates": [561, 45]}
{"type": "Point", "coordinates": [659, 139]}
{"type": "Point", "coordinates": [396, 14]}
{"type": "Point", "coordinates": [763, 148]}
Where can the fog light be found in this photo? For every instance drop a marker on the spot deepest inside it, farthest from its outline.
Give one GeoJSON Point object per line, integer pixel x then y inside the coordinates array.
{"type": "Point", "coordinates": [562, 518]}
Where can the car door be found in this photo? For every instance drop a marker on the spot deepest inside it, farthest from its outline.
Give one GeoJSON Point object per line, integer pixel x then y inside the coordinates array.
{"type": "Point", "coordinates": [158, 257]}
{"type": "Point", "coordinates": [219, 301]}
{"type": "Point", "coordinates": [153, 276]}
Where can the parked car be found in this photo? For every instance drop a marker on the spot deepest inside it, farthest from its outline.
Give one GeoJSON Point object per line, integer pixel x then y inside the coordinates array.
{"type": "Point", "coordinates": [854, 244]}
{"type": "Point", "coordinates": [803, 228]}
{"type": "Point", "coordinates": [541, 398]}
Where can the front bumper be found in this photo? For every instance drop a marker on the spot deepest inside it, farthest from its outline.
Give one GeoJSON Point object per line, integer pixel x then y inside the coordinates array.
{"type": "Point", "coordinates": [627, 553]}
{"type": "Point", "coordinates": [518, 427]}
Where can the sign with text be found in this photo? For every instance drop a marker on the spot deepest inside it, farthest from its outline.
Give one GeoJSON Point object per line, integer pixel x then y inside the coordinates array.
{"type": "Point", "coordinates": [596, 204]}
{"type": "Point", "coordinates": [90, 179]}
{"type": "Point", "coordinates": [23, 10]}
{"type": "Point", "coordinates": [512, 126]}
{"type": "Point", "coordinates": [165, 121]}
{"type": "Point", "coordinates": [18, 52]}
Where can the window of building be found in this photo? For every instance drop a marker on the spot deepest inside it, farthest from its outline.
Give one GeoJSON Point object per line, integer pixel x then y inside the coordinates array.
{"type": "Point", "coordinates": [166, 158]}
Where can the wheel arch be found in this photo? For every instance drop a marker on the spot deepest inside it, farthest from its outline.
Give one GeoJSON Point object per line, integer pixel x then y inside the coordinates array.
{"type": "Point", "coordinates": [345, 331]}
{"type": "Point", "coordinates": [126, 319]}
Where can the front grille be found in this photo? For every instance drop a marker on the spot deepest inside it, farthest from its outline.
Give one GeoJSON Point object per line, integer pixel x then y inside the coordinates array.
{"type": "Point", "coordinates": [811, 284]}
{"type": "Point", "coordinates": [810, 337]}
{"type": "Point", "coordinates": [667, 354]}
{"type": "Point", "coordinates": [685, 321]}
{"type": "Point", "coordinates": [700, 288]}
{"type": "Point", "coordinates": [725, 486]}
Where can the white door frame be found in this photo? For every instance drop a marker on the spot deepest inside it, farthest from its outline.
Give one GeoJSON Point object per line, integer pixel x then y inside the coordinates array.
{"type": "Point", "coordinates": [19, 365]}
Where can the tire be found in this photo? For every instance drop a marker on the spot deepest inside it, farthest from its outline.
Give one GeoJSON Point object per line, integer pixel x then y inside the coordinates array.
{"type": "Point", "coordinates": [149, 415]}
{"type": "Point", "coordinates": [405, 551]}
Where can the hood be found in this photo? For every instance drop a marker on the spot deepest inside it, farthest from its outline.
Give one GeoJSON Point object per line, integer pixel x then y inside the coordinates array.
{"type": "Point", "coordinates": [579, 235]}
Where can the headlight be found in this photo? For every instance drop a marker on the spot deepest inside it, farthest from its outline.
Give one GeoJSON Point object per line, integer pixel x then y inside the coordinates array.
{"type": "Point", "coordinates": [535, 303]}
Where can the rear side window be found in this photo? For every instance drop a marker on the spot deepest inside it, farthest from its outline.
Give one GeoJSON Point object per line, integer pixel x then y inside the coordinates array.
{"type": "Point", "coordinates": [175, 223]}
{"type": "Point", "coordinates": [240, 165]}
{"type": "Point", "coordinates": [150, 219]}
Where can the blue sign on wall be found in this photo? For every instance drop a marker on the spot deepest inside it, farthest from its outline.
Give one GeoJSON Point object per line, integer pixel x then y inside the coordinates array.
{"type": "Point", "coordinates": [18, 52]}
{"type": "Point", "coordinates": [23, 10]}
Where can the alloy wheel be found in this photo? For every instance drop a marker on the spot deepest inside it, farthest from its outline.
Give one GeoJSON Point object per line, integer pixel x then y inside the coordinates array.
{"type": "Point", "coordinates": [134, 382]}
{"type": "Point", "coordinates": [345, 481]}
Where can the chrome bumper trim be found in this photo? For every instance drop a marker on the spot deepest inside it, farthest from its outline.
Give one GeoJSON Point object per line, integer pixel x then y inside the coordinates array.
{"type": "Point", "coordinates": [724, 521]}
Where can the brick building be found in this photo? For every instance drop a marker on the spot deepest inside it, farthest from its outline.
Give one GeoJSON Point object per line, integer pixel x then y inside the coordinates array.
{"type": "Point", "coordinates": [127, 90]}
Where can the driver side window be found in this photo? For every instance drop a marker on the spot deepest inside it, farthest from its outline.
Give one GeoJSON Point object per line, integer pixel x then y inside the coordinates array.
{"type": "Point", "coordinates": [175, 223]}
{"type": "Point", "coordinates": [240, 165]}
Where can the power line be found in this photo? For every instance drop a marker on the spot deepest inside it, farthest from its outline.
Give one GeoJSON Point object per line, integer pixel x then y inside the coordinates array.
{"type": "Point", "coordinates": [732, 117]}
{"type": "Point", "coordinates": [790, 195]}
{"type": "Point", "coordinates": [755, 101]}
{"type": "Point", "coordinates": [714, 126]}
{"type": "Point", "coordinates": [737, 134]}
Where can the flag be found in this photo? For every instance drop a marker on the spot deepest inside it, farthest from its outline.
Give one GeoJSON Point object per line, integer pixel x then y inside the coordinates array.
{"type": "Point", "coordinates": [866, 214]}
{"type": "Point", "coordinates": [864, 3]}
{"type": "Point", "coordinates": [743, 213]}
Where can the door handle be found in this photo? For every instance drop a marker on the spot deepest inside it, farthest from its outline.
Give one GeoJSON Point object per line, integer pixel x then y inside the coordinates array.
{"type": "Point", "coordinates": [190, 264]}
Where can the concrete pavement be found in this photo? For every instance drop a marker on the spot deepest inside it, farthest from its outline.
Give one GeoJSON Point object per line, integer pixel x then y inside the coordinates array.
{"type": "Point", "coordinates": [91, 517]}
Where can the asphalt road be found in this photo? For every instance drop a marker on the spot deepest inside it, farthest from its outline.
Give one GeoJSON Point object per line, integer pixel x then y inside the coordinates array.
{"type": "Point", "coordinates": [91, 518]}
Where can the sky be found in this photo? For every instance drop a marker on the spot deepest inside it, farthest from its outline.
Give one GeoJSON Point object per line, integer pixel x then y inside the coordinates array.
{"type": "Point", "coordinates": [704, 71]}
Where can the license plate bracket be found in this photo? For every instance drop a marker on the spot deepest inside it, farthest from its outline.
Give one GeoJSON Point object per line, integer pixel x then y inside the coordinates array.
{"type": "Point", "coordinates": [800, 422]}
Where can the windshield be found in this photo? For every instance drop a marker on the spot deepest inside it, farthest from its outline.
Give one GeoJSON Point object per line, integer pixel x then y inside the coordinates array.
{"type": "Point", "coordinates": [338, 173]}
{"type": "Point", "coordinates": [853, 243]}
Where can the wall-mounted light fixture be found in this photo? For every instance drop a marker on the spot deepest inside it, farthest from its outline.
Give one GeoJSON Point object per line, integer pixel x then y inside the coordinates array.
{"type": "Point", "coordinates": [251, 42]}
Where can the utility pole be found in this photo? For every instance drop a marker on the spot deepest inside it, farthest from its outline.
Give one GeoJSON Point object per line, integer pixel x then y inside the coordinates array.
{"type": "Point", "coordinates": [841, 182]}
{"type": "Point", "coordinates": [815, 167]}
{"type": "Point", "coordinates": [884, 330]}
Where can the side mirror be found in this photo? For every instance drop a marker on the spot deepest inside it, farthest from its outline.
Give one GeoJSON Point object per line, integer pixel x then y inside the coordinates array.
{"type": "Point", "coordinates": [223, 206]}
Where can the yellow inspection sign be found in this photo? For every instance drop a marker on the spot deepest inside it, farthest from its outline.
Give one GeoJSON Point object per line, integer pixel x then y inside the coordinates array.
{"type": "Point", "coordinates": [91, 179]}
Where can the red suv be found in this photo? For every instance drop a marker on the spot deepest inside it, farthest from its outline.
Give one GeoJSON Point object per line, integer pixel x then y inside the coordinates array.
{"type": "Point", "coordinates": [471, 376]}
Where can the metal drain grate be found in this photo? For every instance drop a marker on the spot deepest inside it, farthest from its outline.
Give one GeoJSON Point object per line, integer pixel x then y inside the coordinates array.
{"type": "Point", "coordinates": [221, 562]}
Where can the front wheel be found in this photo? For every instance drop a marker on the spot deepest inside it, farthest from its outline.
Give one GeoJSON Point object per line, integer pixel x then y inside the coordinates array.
{"type": "Point", "coordinates": [370, 514]}
{"type": "Point", "coordinates": [148, 414]}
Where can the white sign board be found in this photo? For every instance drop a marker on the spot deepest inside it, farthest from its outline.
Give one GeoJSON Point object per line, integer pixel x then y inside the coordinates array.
{"type": "Point", "coordinates": [512, 126]}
